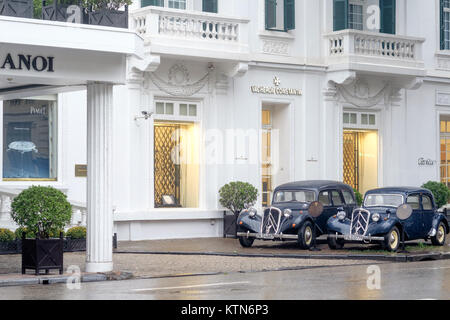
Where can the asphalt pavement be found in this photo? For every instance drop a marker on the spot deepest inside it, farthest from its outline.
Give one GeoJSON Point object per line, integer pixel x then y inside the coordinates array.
{"type": "Point", "coordinates": [416, 280]}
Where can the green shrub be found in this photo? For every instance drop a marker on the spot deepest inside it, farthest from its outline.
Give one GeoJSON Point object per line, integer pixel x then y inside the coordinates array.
{"type": "Point", "coordinates": [359, 197]}
{"type": "Point", "coordinates": [6, 235]}
{"type": "Point", "coordinates": [28, 234]}
{"type": "Point", "coordinates": [76, 233]}
{"type": "Point", "coordinates": [235, 195]}
{"type": "Point", "coordinates": [440, 192]}
{"type": "Point", "coordinates": [43, 211]}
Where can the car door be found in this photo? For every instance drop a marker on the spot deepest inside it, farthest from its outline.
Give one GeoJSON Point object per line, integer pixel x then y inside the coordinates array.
{"type": "Point", "coordinates": [328, 209]}
{"type": "Point", "coordinates": [413, 225]}
{"type": "Point", "coordinates": [428, 211]}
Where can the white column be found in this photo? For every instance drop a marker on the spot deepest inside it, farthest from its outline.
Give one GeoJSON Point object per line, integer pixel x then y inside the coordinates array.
{"type": "Point", "coordinates": [99, 184]}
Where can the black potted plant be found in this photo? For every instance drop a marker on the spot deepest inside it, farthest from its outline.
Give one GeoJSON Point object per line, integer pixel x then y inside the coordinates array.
{"type": "Point", "coordinates": [43, 211]}
{"type": "Point", "coordinates": [17, 8]}
{"type": "Point", "coordinates": [235, 196]}
{"type": "Point", "coordinates": [76, 239]}
{"type": "Point", "coordinates": [107, 12]}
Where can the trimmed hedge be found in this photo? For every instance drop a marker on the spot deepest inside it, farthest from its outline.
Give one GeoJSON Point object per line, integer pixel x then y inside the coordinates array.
{"type": "Point", "coordinates": [6, 235]}
{"type": "Point", "coordinates": [76, 233]}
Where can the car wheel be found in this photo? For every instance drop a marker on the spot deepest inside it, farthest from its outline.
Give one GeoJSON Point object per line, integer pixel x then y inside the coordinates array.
{"type": "Point", "coordinates": [305, 235]}
{"type": "Point", "coordinates": [335, 244]}
{"type": "Point", "coordinates": [244, 241]}
{"type": "Point", "coordinates": [441, 233]}
{"type": "Point", "coordinates": [392, 240]}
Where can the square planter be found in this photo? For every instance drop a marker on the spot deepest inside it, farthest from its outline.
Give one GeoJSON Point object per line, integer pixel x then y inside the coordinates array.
{"type": "Point", "coordinates": [16, 8]}
{"type": "Point", "coordinates": [74, 245]}
{"type": "Point", "coordinates": [42, 254]}
{"type": "Point", "coordinates": [9, 247]}
{"type": "Point", "coordinates": [109, 18]}
{"type": "Point", "coordinates": [229, 224]}
{"type": "Point", "coordinates": [65, 13]}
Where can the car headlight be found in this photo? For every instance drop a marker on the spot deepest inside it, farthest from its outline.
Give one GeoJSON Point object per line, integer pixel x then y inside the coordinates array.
{"type": "Point", "coordinates": [376, 217]}
{"type": "Point", "coordinates": [252, 212]}
{"type": "Point", "coordinates": [287, 213]}
{"type": "Point", "coordinates": [341, 215]}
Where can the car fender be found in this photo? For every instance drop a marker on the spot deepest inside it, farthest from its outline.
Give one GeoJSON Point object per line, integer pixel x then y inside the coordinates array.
{"type": "Point", "coordinates": [297, 219]}
{"type": "Point", "coordinates": [437, 219]}
{"type": "Point", "coordinates": [249, 223]}
{"type": "Point", "coordinates": [383, 227]}
{"type": "Point", "coordinates": [334, 225]}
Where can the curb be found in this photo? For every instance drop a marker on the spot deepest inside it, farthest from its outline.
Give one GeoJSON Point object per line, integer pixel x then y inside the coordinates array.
{"type": "Point", "coordinates": [391, 258]}
{"type": "Point", "coordinates": [44, 279]}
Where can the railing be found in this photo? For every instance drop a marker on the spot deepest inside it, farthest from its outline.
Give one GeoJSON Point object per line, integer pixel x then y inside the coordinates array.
{"type": "Point", "coordinates": [79, 211]}
{"type": "Point", "coordinates": [354, 42]}
{"type": "Point", "coordinates": [151, 21]}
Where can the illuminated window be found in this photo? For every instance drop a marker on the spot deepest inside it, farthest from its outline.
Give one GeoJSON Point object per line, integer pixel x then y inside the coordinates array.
{"type": "Point", "coordinates": [445, 151]}
{"type": "Point", "coordinates": [30, 138]}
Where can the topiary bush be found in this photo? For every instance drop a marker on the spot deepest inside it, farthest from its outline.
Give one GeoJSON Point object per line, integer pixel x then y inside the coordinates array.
{"type": "Point", "coordinates": [235, 195]}
{"type": "Point", "coordinates": [76, 233]}
{"type": "Point", "coordinates": [6, 235]}
{"type": "Point", "coordinates": [440, 192]}
{"type": "Point", "coordinates": [43, 211]}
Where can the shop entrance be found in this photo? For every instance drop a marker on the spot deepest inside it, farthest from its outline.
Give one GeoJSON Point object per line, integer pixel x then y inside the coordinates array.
{"type": "Point", "coordinates": [361, 159]}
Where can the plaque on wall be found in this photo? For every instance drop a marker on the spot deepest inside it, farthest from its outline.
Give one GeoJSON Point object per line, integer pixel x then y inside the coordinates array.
{"type": "Point", "coordinates": [80, 170]}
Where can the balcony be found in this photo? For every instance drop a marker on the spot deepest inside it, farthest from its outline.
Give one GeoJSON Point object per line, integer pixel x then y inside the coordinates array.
{"type": "Point", "coordinates": [193, 34]}
{"type": "Point", "coordinates": [374, 53]}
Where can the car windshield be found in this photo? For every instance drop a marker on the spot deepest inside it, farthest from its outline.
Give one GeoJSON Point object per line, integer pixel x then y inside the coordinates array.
{"type": "Point", "coordinates": [383, 200]}
{"type": "Point", "coordinates": [294, 196]}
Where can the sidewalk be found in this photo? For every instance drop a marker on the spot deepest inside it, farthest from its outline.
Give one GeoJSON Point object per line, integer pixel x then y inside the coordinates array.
{"type": "Point", "coordinates": [170, 258]}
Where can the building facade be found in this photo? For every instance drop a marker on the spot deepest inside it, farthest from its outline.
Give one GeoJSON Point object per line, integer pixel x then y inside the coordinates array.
{"type": "Point", "coordinates": [261, 91]}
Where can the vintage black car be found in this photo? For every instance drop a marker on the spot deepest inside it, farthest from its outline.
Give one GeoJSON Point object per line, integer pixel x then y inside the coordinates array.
{"type": "Point", "coordinates": [289, 217]}
{"type": "Point", "coordinates": [382, 219]}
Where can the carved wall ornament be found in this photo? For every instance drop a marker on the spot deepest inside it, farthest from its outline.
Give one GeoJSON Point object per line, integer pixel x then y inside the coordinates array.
{"type": "Point", "coordinates": [179, 84]}
{"type": "Point", "coordinates": [275, 47]}
{"type": "Point", "coordinates": [358, 94]}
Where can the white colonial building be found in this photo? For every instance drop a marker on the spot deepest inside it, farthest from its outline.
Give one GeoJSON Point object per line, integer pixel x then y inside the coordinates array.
{"type": "Point", "coordinates": [212, 91]}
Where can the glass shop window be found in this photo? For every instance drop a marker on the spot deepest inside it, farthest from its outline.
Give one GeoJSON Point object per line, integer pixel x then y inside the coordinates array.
{"type": "Point", "coordinates": [30, 138]}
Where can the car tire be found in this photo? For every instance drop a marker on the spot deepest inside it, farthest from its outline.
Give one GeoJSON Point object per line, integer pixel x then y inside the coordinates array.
{"type": "Point", "coordinates": [441, 235]}
{"type": "Point", "coordinates": [244, 241]}
{"type": "Point", "coordinates": [392, 240]}
{"type": "Point", "coordinates": [335, 244]}
{"type": "Point", "coordinates": [305, 235]}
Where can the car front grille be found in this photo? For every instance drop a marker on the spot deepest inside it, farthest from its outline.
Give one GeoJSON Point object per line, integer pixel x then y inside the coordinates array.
{"type": "Point", "coordinates": [360, 222]}
{"type": "Point", "coordinates": [271, 221]}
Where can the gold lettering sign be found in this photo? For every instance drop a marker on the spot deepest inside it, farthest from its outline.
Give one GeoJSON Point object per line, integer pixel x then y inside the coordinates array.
{"type": "Point", "coordinates": [276, 90]}
{"type": "Point", "coordinates": [80, 170]}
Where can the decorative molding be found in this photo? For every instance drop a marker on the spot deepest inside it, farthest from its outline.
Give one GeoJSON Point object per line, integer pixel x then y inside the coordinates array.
{"type": "Point", "coordinates": [277, 47]}
{"type": "Point", "coordinates": [358, 94]}
{"type": "Point", "coordinates": [179, 84]}
{"type": "Point", "coordinates": [442, 98]}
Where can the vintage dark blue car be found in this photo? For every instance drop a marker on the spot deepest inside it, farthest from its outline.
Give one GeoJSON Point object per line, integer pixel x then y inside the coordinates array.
{"type": "Point", "coordinates": [378, 221]}
{"type": "Point", "coordinates": [289, 216]}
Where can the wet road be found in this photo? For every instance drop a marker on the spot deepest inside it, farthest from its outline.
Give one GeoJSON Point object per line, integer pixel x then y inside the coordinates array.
{"type": "Point", "coordinates": [419, 280]}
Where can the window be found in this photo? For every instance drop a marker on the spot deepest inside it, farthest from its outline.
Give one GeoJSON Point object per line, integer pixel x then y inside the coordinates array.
{"type": "Point", "coordinates": [294, 196]}
{"type": "Point", "coordinates": [280, 15]}
{"type": "Point", "coordinates": [445, 151]}
{"type": "Point", "coordinates": [383, 200]}
{"type": "Point", "coordinates": [445, 24]}
{"type": "Point", "coordinates": [413, 201]}
{"type": "Point", "coordinates": [168, 110]}
{"type": "Point", "coordinates": [348, 197]}
{"type": "Point", "coordinates": [175, 4]}
{"type": "Point", "coordinates": [337, 201]}
{"type": "Point", "coordinates": [360, 120]}
{"type": "Point", "coordinates": [176, 164]}
{"type": "Point", "coordinates": [355, 17]}
{"type": "Point", "coordinates": [427, 204]}
{"type": "Point", "coordinates": [352, 14]}
{"type": "Point", "coordinates": [324, 198]}
{"type": "Point", "coordinates": [30, 138]}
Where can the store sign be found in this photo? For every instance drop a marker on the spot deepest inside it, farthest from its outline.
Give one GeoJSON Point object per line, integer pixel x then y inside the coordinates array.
{"type": "Point", "coordinates": [426, 162]}
{"type": "Point", "coordinates": [27, 62]}
{"type": "Point", "coordinates": [276, 90]}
